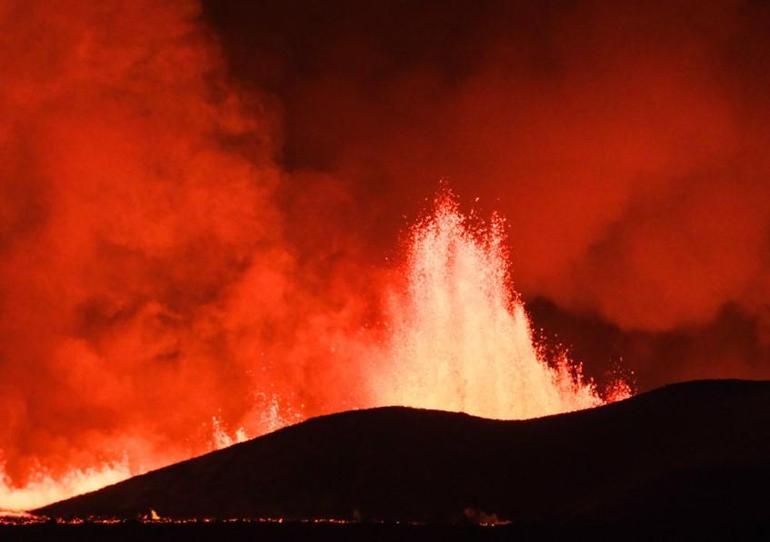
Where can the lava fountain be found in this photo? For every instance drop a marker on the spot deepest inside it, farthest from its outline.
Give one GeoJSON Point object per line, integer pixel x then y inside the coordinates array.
{"type": "Point", "coordinates": [461, 339]}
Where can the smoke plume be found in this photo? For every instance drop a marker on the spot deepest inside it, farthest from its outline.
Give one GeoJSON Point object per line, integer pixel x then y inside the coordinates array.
{"type": "Point", "coordinates": [625, 145]}
{"type": "Point", "coordinates": [139, 247]}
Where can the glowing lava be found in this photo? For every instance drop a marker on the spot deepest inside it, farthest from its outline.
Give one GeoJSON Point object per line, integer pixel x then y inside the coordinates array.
{"type": "Point", "coordinates": [461, 339]}
{"type": "Point", "coordinates": [44, 489]}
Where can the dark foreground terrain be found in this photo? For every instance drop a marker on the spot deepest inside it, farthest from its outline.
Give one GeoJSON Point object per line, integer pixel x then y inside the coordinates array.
{"type": "Point", "coordinates": [687, 456]}
{"type": "Point", "coordinates": [293, 532]}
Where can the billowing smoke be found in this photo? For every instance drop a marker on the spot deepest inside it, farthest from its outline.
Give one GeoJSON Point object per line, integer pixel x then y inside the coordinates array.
{"type": "Point", "coordinates": [146, 282]}
{"type": "Point", "coordinates": [625, 143]}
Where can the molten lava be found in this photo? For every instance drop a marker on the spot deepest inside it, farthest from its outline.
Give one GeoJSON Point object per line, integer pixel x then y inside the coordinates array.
{"type": "Point", "coordinates": [461, 339]}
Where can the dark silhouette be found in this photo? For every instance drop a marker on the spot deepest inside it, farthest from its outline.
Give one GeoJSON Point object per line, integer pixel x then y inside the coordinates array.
{"type": "Point", "coordinates": [695, 451]}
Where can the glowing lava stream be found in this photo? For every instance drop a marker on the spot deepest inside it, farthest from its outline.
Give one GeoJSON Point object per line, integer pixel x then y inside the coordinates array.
{"type": "Point", "coordinates": [460, 340]}
{"type": "Point", "coordinates": [43, 489]}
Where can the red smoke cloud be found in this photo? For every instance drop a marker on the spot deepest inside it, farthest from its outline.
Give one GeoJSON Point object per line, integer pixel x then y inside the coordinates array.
{"type": "Point", "coordinates": [614, 148]}
{"type": "Point", "coordinates": [143, 265]}
{"type": "Point", "coordinates": [153, 302]}
{"type": "Point", "coordinates": [623, 143]}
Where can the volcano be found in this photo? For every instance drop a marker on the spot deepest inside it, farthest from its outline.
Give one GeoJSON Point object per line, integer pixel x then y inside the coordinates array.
{"type": "Point", "coordinates": [696, 450]}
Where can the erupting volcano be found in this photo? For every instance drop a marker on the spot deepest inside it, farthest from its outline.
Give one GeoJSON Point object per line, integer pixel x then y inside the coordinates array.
{"type": "Point", "coordinates": [223, 222]}
{"type": "Point", "coordinates": [458, 339]}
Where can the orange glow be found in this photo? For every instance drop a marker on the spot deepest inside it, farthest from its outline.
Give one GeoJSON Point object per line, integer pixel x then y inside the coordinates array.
{"type": "Point", "coordinates": [43, 489]}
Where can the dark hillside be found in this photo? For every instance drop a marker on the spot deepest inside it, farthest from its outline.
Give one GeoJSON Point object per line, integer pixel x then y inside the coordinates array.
{"type": "Point", "coordinates": [698, 448]}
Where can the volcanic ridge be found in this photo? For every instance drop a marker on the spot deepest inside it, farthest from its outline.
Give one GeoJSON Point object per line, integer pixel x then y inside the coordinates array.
{"type": "Point", "coordinates": [691, 450]}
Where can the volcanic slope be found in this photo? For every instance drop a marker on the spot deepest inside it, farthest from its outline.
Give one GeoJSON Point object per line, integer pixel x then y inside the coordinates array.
{"type": "Point", "coordinates": [697, 449]}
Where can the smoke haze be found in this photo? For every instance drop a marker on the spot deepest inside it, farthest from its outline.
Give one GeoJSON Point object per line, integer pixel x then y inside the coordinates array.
{"type": "Point", "coordinates": [623, 143]}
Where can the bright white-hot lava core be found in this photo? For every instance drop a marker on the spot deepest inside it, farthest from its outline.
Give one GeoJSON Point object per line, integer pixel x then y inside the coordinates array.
{"type": "Point", "coordinates": [459, 340]}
